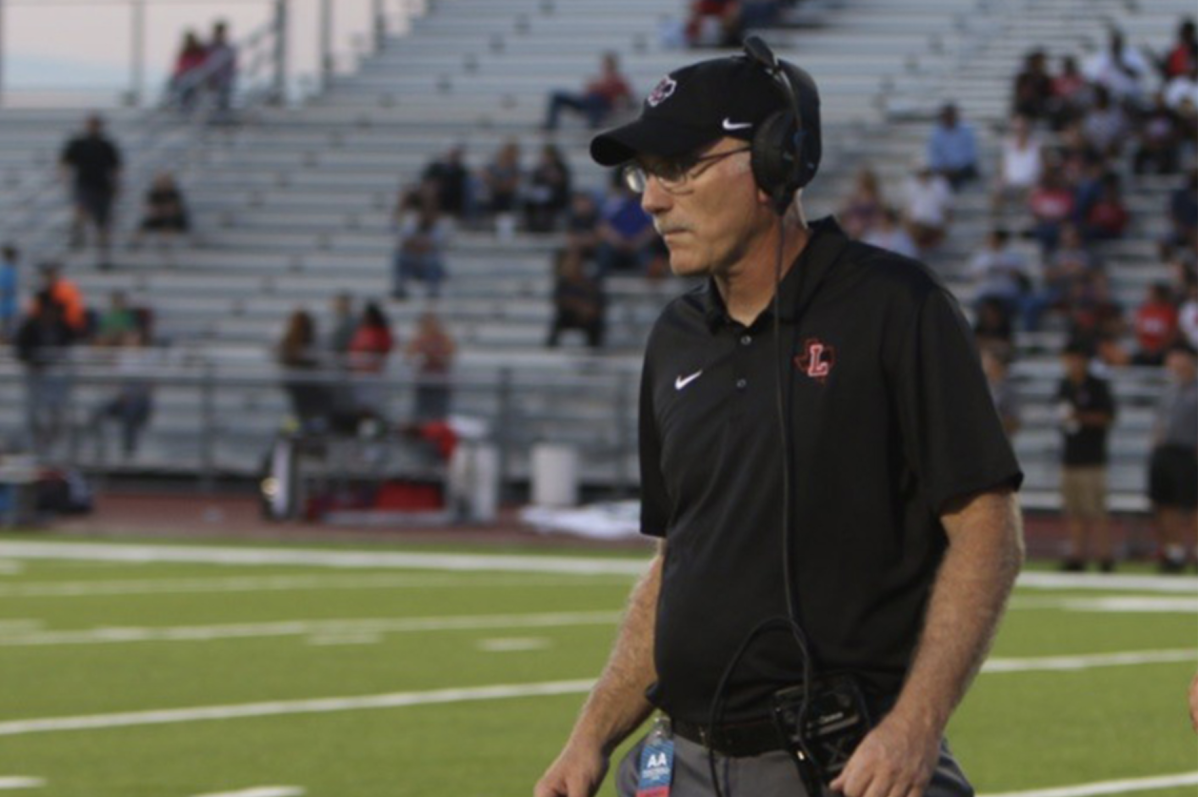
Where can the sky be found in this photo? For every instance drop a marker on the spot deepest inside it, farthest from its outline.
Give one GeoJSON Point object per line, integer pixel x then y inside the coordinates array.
{"type": "Point", "coordinates": [73, 47]}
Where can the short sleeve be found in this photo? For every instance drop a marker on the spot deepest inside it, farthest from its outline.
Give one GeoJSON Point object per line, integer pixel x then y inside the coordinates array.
{"type": "Point", "coordinates": [952, 434]}
{"type": "Point", "coordinates": [656, 511]}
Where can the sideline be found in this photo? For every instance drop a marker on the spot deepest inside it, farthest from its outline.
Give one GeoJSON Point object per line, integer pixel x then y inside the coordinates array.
{"type": "Point", "coordinates": [13, 783]}
{"type": "Point", "coordinates": [1107, 787]}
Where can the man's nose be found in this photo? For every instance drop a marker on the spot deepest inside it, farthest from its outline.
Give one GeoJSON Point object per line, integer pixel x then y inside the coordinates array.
{"type": "Point", "coordinates": [655, 199]}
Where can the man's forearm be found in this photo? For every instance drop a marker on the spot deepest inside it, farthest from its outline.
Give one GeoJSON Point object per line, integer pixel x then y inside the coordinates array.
{"type": "Point", "coordinates": [617, 704]}
{"type": "Point", "coordinates": [969, 595]}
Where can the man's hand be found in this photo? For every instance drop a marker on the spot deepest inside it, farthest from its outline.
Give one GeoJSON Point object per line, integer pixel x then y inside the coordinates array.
{"type": "Point", "coordinates": [577, 772]}
{"type": "Point", "coordinates": [896, 759]}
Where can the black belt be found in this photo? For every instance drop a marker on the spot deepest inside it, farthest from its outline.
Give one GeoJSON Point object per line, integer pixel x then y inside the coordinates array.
{"type": "Point", "coordinates": [736, 740]}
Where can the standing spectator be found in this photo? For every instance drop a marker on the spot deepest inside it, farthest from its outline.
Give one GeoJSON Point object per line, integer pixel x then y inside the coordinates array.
{"type": "Point", "coordinates": [951, 150]}
{"type": "Point", "coordinates": [41, 345]}
{"type": "Point", "coordinates": [928, 200]}
{"type": "Point", "coordinates": [453, 182]}
{"type": "Point", "coordinates": [502, 180]}
{"type": "Point", "coordinates": [184, 86]}
{"type": "Point", "coordinates": [432, 352]}
{"type": "Point", "coordinates": [164, 212]}
{"type": "Point", "coordinates": [1033, 88]}
{"type": "Point", "coordinates": [548, 191]}
{"type": "Point", "coordinates": [1020, 166]}
{"type": "Point", "coordinates": [1155, 325]}
{"type": "Point", "coordinates": [626, 232]}
{"type": "Point", "coordinates": [1119, 69]}
{"type": "Point", "coordinates": [221, 61]}
{"type": "Point", "coordinates": [578, 300]}
{"type": "Point", "coordinates": [93, 162]}
{"type": "Point", "coordinates": [1086, 413]}
{"type": "Point", "coordinates": [368, 356]}
{"type": "Point", "coordinates": [995, 361]}
{"type": "Point", "coordinates": [601, 96]}
{"type": "Point", "coordinates": [133, 401]}
{"type": "Point", "coordinates": [1173, 461]}
{"type": "Point", "coordinates": [861, 210]}
{"type": "Point", "coordinates": [420, 252]}
{"type": "Point", "coordinates": [9, 285]}
{"type": "Point", "coordinates": [298, 355]}
{"type": "Point", "coordinates": [343, 325]}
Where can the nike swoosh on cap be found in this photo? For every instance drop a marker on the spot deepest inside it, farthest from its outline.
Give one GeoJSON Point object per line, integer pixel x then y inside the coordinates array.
{"type": "Point", "coordinates": [683, 381]}
{"type": "Point", "coordinates": [729, 125]}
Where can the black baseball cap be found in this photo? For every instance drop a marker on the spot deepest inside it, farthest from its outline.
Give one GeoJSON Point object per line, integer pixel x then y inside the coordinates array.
{"type": "Point", "coordinates": [703, 102]}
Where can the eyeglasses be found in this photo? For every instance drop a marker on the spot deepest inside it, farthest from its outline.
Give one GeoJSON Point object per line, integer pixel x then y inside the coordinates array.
{"type": "Point", "coordinates": [673, 175]}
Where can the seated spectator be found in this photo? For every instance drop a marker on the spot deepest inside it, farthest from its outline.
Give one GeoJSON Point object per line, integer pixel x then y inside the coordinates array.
{"type": "Point", "coordinates": [601, 96]}
{"type": "Point", "coordinates": [41, 345]}
{"type": "Point", "coordinates": [1071, 94]}
{"type": "Point", "coordinates": [625, 232]}
{"type": "Point", "coordinates": [420, 252]}
{"type": "Point", "coordinates": [862, 208]}
{"type": "Point", "coordinates": [1181, 58]}
{"type": "Point", "coordinates": [451, 182]}
{"type": "Point", "coordinates": [132, 402]}
{"type": "Point", "coordinates": [578, 300]}
{"type": "Point", "coordinates": [184, 87]}
{"type": "Point", "coordinates": [1073, 155]}
{"type": "Point", "coordinates": [1119, 69]}
{"type": "Point", "coordinates": [1107, 217]}
{"type": "Point", "coordinates": [164, 212]}
{"type": "Point", "coordinates": [995, 361]}
{"type": "Point", "coordinates": [1033, 88]}
{"type": "Point", "coordinates": [343, 325]}
{"type": "Point", "coordinates": [928, 201]}
{"type": "Point", "coordinates": [713, 23]}
{"type": "Point", "coordinates": [1105, 126]}
{"type": "Point", "coordinates": [548, 191]}
{"type": "Point", "coordinates": [1094, 319]}
{"type": "Point", "coordinates": [66, 294]}
{"type": "Point", "coordinates": [1020, 166]}
{"type": "Point", "coordinates": [1179, 94]}
{"type": "Point", "coordinates": [1181, 212]}
{"type": "Point", "coordinates": [1069, 263]}
{"type": "Point", "coordinates": [300, 357]}
{"type": "Point", "coordinates": [116, 322]}
{"type": "Point", "coordinates": [889, 233]}
{"type": "Point", "coordinates": [1159, 135]}
{"type": "Point", "coordinates": [432, 353]}
{"type": "Point", "coordinates": [221, 58]}
{"type": "Point", "coordinates": [1155, 325]}
{"type": "Point", "coordinates": [1000, 271]}
{"type": "Point", "coordinates": [583, 219]}
{"type": "Point", "coordinates": [1187, 311]}
{"type": "Point", "coordinates": [993, 324]}
{"type": "Point", "coordinates": [1052, 204]}
{"type": "Point", "coordinates": [951, 151]}
{"type": "Point", "coordinates": [9, 284]}
{"type": "Point", "coordinates": [368, 356]}
{"type": "Point", "coordinates": [502, 182]}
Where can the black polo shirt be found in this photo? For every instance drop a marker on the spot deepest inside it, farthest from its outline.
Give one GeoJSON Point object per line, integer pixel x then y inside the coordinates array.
{"type": "Point", "coordinates": [1086, 446]}
{"type": "Point", "coordinates": [890, 418]}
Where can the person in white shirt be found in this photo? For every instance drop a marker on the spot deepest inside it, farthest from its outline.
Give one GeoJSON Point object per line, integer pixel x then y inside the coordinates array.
{"type": "Point", "coordinates": [928, 197]}
{"type": "Point", "coordinates": [1020, 166]}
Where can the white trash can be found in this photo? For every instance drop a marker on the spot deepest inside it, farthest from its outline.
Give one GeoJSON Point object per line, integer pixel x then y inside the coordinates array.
{"type": "Point", "coordinates": [555, 475]}
{"type": "Point", "coordinates": [475, 481]}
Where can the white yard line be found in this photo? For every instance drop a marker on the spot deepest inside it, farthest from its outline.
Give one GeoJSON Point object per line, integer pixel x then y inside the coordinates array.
{"type": "Point", "coordinates": [315, 628]}
{"type": "Point", "coordinates": [1089, 661]}
{"type": "Point", "coordinates": [260, 791]}
{"type": "Point", "coordinates": [14, 783]}
{"type": "Point", "coordinates": [1107, 787]}
{"type": "Point", "coordinates": [1108, 582]}
{"type": "Point", "coordinates": [1112, 604]}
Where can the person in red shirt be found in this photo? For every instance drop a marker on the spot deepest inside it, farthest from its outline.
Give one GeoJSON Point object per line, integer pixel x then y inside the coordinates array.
{"type": "Point", "coordinates": [368, 355]}
{"type": "Point", "coordinates": [600, 97]}
{"type": "Point", "coordinates": [1107, 218]}
{"type": "Point", "coordinates": [192, 55]}
{"type": "Point", "coordinates": [1051, 202]}
{"type": "Point", "coordinates": [1155, 325]}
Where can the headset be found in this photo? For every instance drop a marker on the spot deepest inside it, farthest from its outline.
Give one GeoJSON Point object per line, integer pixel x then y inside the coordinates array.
{"type": "Point", "coordinates": [783, 156]}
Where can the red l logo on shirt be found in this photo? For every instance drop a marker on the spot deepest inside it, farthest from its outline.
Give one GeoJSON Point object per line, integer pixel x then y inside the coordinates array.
{"type": "Point", "coordinates": [816, 361]}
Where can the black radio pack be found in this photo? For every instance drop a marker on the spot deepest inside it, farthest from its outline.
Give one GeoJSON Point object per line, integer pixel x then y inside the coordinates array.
{"type": "Point", "coordinates": [823, 723]}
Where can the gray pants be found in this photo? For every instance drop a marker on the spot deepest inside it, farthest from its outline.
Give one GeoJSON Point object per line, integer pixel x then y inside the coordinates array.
{"type": "Point", "coordinates": [768, 775]}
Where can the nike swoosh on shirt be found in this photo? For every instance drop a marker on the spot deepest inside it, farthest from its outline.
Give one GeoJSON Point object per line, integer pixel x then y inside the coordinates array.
{"type": "Point", "coordinates": [728, 125]}
{"type": "Point", "coordinates": [683, 381]}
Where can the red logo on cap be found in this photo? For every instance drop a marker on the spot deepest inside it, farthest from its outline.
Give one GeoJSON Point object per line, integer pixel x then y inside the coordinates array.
{"type": "Point", "coordinates": [664, 89]}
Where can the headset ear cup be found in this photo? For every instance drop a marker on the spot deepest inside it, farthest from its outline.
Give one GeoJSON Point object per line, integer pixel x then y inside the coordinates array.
{"type": "Point", "coordinates": [772, 159]}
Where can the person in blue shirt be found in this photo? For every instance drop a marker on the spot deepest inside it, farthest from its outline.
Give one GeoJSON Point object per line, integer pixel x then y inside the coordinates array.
{"type": "Point", "coordinates": [8, 291]}
{"type": "Point", "coordinates": [951, 150]}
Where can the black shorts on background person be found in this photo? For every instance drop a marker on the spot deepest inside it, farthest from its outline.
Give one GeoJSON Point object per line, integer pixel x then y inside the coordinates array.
{"type": "Point", "coordinates": [902, 530]}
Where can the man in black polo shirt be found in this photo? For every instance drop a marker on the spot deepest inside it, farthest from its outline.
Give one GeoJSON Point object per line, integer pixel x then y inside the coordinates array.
{"type": "Point", "coordinates": [861, 390]}
{"type": "Point", "coordinates": [94, 166]}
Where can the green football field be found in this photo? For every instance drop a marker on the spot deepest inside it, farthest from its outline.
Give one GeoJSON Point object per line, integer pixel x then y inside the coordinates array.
{"type": "Point", "coordinates": [171, 670]}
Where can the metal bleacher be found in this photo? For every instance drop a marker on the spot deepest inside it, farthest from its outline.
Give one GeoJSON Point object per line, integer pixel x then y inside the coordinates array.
{"type": "Point", "coordinates": [293, 206]}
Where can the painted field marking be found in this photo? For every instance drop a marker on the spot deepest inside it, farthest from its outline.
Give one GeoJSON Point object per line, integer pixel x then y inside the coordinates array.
{"type": "Point", "coordinates": [1088, 661]}
{"type": "Point", "coordinates": [218, 584]}
{"type": "Point", "coordinates": [1107, 787]}
{"type": "Point", "coordinates": [260, 791]}
{"type": "Point", "coordinates": [11, 567]}
{"type": "Point", "coordinates": [312, 628]}
{"type": "Point", "coordinates": [14, 783]}
{"type": "Point", "coordinates": [1107, 582]}
{"type": "Point", "coordinates": [513, 644]}
{"type": "Point", "coordinates": [1113, 604]}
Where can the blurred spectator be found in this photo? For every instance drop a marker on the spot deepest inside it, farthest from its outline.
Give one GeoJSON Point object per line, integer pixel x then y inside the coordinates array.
{"type": "Point", "coordinates": [42, 342]}
{"type": "Point", "coordinates": [300, 357]}
{"type": "Point", "coordinates": [1105, 125]}
{"type": "Point", "coordinates": [1181, 211]}
{"type": "Point", "coordinates": [133, 401]}
{"type": "Point", "coordinates": [578, 300]}
{"type": "Point", "coordinates": [583, 219]}
{"type": "Point", "coordinates": [951, 150]}
{"type": "Point", "coordinates": [889, 233]}
{"type": "Point", "coordinates": [1020, 166]}
{"type": "Point", "coordinates": [1086, 412]}
{"type": "Point", "coordinates": [1073, 155]}
{"type": "Point", "coordinates": [713, 23]}
{"type": "Point", "coordinates": [221, 59]}
{"type": "Point", "coordinates": [116, 322]}
{"type": "Point", "coordinates": [860, 210]}
{"type": "Point", "coordinates": [625, 231]}
{"type": "Point", "coordinates": [1187, 312]}
{"type": "Point", "coordinates": [164, 213]}
{"type": "Point", "coordinates": [420, 252]}
{"type": "Point", "coordinates": [1181, 58]}
{"type": "Point", "coordinates": [432, 352]}
{"type": "Point", "coordinates": [1158, 139]}
{"type": "Point", "coordinates": [368, 356]}
{"type": "Point", "coordinates": [1033, 88]}
{"type": "Point", "coordinates": [754, 14]}
{"type": "Point", "coordinates": [1069, 264]}
{"type": "Point", "coordinates": [66, 294]}
{"type": "Point", "coordinates": [1000, 271]}
{"type": "Point", "coordinates": [93, 162]}
{"type": "Point", "coordinates": [343, 325]}
{"type": "Point", "coordinates": [502, 181]}
{"type": "Point", "coordinates": [1094, 320]}
{"type": "Point", "coordinates": [452, 182]}
{"type": "Point", "coordinates": [995, 360]}
{"type": "Point", "coordinates": [1072, 93]}
{"type": "Point", "coordinates": [602, 95]}
{"type": "Point", "coordinates": [184, 87]}
{"type": "Point", "coordinates": [1119, 68]}
{"type": "Point", "coordinates": [1052, 203]}
{"type": "Point", "coordinates": [1155, 325]}
{"type": "Point", "coordinates": [1179, 94]}
{"type": "Point", "coordinates": [1107, 217]}
{"type": "Point", "coordinates": [1172, 477]}
{"type": "Point", "coordinates": [548, 191]}
{"type": "Point", "coordinates": [9, 286]}
{"type": "Point", "coordinates": [993, 324]}
{"type": "Point", "coordinates": [928, 200]}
